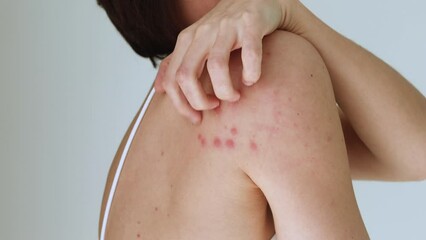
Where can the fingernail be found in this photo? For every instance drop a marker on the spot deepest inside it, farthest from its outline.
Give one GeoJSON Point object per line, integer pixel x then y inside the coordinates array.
{"type": "Point", "coordinates": [236, 98]}
{"type": "Point", "coordinates": [215, 105]}
{"type": "Point", "coordinates": [248, 84]}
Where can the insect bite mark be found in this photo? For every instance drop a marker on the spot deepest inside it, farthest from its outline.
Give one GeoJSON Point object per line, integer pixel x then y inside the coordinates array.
{"type": "Point", "coordinates": [234, 131]}
{"type": "Point", "coordinates": [230, 143]}
{"type": "Point", "coordinates": [253, 145]}
{"type": "Point", "coordinates": [217, 142]}
{"type": "Point", "coordinates": [202, 140]}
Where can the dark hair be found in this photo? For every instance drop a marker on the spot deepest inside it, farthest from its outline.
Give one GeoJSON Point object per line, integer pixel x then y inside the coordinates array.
{"type": "Point", "coordinates": [150, 27]}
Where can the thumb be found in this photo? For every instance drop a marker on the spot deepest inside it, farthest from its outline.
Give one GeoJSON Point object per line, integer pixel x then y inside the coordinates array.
{"type": "Point", "coordinates": [159, 79]}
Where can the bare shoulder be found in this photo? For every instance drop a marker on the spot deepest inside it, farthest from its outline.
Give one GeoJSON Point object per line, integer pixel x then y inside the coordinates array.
{"type": "Point", "coordinates": [281, 104]}
{"type": "Point", "coordinates": [292, 142]}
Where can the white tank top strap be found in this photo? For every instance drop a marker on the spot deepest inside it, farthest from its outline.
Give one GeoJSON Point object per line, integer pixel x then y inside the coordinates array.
{"type": "Point", "coordinates": [122, 159]}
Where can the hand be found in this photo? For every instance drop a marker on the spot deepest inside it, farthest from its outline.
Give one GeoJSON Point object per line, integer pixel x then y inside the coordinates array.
{"type": "Point", "coordinates": [228, 26]}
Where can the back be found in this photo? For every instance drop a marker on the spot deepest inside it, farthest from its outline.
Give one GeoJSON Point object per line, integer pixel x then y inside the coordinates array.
{"type": "Point", "coordinates": [182, 181]}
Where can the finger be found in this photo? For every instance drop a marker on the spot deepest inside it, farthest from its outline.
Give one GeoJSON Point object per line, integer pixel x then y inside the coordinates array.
{"type": "Point", "coordinates": [218, 66]}
{"type": "Point", "coordinates": [189, 72]}
{"type": "Point", "coordinates": [183, 42]}
{"type": "Point", "coordinates": [158, 83]}
{"type": "Point", "coordinates": [180, 103]}
{"type": "Point", "coordinates": [251, 55]}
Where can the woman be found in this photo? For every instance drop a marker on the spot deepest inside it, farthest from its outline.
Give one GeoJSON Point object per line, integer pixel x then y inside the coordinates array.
{"type": "Point", "coordinates": [280, 147]}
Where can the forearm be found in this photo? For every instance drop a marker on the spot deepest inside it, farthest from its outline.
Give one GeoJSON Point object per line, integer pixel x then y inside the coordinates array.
{"type": "Point", "coordinates": [385, 110]}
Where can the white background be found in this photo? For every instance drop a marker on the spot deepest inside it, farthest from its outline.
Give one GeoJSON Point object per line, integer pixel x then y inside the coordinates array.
{"type": "Point", "coordinates": [70, 85]}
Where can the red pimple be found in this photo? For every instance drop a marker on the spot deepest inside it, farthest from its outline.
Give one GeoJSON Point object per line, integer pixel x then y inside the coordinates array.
{"type": "Point", "coordinates": [230, 143]}
{"type": "Point", "coordinates": [253, 145]}
{"type": "Point", "coordinates": [234, 131]}
{"type": "Point", "coordinates": [217, 142]}
{"type": "Point", "coordinates": [202, 140]}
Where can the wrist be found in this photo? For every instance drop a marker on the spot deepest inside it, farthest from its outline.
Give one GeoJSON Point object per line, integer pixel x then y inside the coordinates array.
{"type": "Point", "coordinates": [296, 18]}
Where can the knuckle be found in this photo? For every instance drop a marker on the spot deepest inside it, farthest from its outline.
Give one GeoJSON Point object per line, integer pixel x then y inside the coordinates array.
{"type": "Point", "coordinates": [225, 23]}
{"type": "Point", "coordinates": [182, 75]}
{"type": "Point", "coordinates": [249, 18]}
{"type": "Point", "coordinates": [185, 37]}
{"type": "Point", "coordinates": [204, 29]}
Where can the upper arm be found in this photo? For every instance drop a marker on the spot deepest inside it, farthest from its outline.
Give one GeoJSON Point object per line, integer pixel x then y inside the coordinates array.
{"type": "Point", "coordinates": [363, 163]}
{"type": "Point", "coordinates": [298, 157]}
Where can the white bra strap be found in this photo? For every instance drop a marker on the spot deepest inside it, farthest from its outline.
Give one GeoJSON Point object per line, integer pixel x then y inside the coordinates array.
{"type": "Point", "coordinates": [121, 163]}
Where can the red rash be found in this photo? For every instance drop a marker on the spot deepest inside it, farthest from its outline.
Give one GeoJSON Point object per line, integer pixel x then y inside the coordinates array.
{"type": "Point", "coordinates": [202, 140]}
{"type": "Point", "coordinates": [253, 146]}
{"type": "Point", "coordinates": [234, 131]}
{"type": "Point", "coordinates": [230, 143]}
{"type": "Point", "coordinates": [217, 142]}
